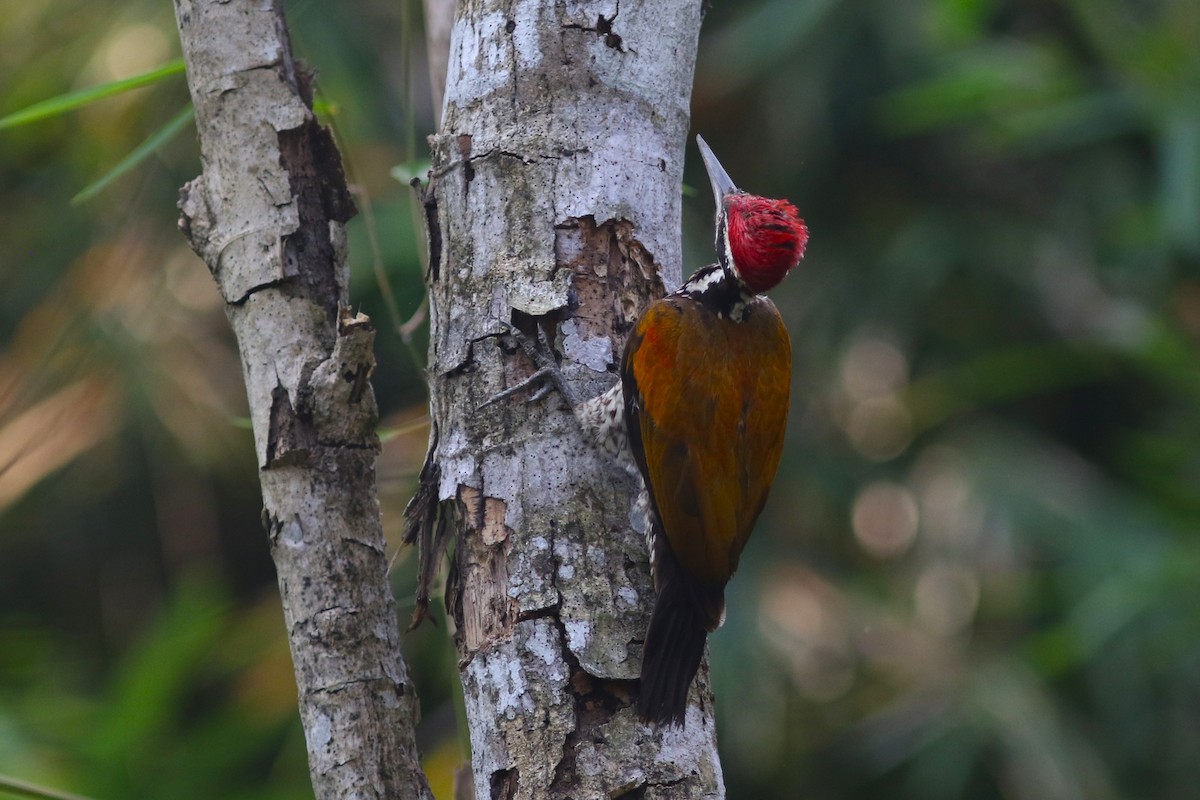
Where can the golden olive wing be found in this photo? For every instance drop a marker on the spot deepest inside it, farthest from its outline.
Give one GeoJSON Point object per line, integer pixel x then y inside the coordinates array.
{"type": "Point", "coordinates": [707, 399]}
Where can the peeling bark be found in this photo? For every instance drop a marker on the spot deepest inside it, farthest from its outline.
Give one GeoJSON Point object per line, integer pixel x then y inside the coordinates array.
{"type": "Point", "coordinates": [268, 215]}
{"type": "Point", "coordinates": [554, 203]}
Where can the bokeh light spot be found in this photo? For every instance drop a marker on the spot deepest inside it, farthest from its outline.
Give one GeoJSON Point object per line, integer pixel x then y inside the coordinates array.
{"type": "Point", "coordinates": [885, 519]}
{"type": "Point", "coordinates": [946, 597]}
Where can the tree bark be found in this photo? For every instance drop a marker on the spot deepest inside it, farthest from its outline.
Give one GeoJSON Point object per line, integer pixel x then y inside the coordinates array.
{"type": "Point", "coordinates": [268, 216]}
{"type": "Point", "coordinates": [554, 203]}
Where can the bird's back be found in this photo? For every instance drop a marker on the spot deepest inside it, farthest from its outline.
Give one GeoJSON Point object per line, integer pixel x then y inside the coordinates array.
{"type": "Point", "coordinates": [708, 403]}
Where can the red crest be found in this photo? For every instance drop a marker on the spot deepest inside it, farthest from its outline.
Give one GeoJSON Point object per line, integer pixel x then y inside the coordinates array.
{"type": "Point", "coordinates": [766, 239]}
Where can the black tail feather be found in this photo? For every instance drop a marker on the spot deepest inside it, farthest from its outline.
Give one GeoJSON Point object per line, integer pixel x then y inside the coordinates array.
{"type": "Point", "coordinates": [683, 615]}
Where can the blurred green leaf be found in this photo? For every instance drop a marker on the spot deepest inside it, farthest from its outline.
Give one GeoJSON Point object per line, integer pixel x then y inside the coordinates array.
{"type": "Point", "coordinates": [156, 676]}
{"type": "Point", "coordinates": [56, 106]}
{"type": "Point", "coordinates": [143, 151]}
{"type": "Point", "coordinates": [408, 172]}
{"type": "Point", "coordinates": [1180, 149]}
{"type": "Point", "coordinates": [999, 375]}
{"type": "Point", "coordinates": [985, 82]}
{"type": "Point", "coordinates": [761, 35]}
{"type": "Point", "coordinates": [21, 788]}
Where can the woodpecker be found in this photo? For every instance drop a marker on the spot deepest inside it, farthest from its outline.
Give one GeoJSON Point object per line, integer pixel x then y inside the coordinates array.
{"type": "Point", "coordinates": [699, 413]}
{"type": "Point", "coordinates": [705, 382]}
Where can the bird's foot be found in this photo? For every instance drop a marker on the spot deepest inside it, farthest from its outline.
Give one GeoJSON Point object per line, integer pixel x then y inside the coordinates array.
{"type": "Point", "coordinates": [548, 374]}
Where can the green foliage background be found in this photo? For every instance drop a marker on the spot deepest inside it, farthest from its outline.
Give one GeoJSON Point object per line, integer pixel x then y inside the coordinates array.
{"type": "Point", "coordinates": [977, 575]}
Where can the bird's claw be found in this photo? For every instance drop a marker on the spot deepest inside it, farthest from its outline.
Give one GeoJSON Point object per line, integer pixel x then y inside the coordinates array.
{"type": "Point", "coordinates": [548, 373]}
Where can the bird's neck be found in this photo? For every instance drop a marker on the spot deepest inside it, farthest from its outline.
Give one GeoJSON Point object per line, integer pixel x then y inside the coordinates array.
{"type": "Point", "coordinates": [716, 289]}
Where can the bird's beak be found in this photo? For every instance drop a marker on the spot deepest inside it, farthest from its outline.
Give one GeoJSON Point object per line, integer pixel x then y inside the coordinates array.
{"type": "Point", "coordinates": [722, 184]}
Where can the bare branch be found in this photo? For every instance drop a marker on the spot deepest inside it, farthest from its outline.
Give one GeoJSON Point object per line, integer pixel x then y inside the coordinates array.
{"type": "Point", "coordinates": [268, 216]}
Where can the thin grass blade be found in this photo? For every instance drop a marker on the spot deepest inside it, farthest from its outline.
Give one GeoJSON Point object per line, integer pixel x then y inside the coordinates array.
{"type": "Point", "coordinates": [56, 106]}
{"type": "Point", "coordinates": [139, 154]}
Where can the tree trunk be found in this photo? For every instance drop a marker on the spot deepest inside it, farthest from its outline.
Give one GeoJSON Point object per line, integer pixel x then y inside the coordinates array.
{"type": "Point", "coordinates": [554, 203]}
{"type": "Point", "coordinates": [268, 216]}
